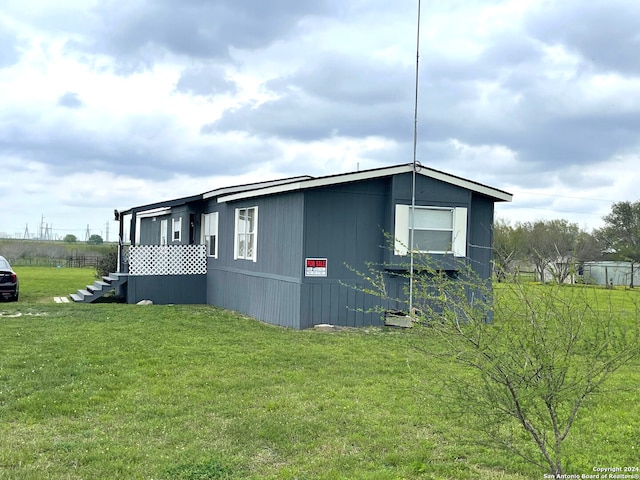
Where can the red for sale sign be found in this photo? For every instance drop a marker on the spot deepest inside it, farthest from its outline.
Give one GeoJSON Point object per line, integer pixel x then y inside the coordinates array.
{"type": "Point", "coordinates": [315, 267]}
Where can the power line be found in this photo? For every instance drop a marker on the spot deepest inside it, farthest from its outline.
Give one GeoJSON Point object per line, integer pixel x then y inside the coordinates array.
{"type": "Point", "coordinates": [552, 210]}
{"type": "Point", "coordinates": [564, 196]}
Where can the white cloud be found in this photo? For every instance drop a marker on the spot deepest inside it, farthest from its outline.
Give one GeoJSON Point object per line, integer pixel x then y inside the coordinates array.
{"type": "Point", "coordinates": [108, 107]}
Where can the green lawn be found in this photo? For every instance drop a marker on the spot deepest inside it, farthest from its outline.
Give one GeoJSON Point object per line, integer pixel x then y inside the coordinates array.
{"type": "Point", "coordinates": [110, 391]}
{"type": "Point", "coordinates": [41, 284]}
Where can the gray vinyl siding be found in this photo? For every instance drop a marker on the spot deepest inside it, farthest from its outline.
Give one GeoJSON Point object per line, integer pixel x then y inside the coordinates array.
{"type": "Point", "coordinates": [150, 229]}
{"type": "Point", "coordinates": [181, 213]}
{"type": "Point", "coordinates": [347, 223]}
{"type": "Point", "coordinates": [344, 224]}
{"type": "Point", "coordinates": [429, 193]}
{"type": "Point", "coordinates": [268, 289]}
{"type": "Point", "coordinates": [480, 235]}
{"type": "Point", "coordinates": [263, 297]}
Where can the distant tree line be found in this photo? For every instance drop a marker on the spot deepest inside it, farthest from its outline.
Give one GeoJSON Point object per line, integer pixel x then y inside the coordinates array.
{"type": "Point", "coordinates": [93, 239]}
{"type": "Point", "coordinates": [558, 248]}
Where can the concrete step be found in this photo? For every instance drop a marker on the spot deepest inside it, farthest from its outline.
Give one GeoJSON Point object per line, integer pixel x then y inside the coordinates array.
{"type": "Point", "coordinates": [84, 294]}
{"type": "Point", "coordinates": [100, 287]}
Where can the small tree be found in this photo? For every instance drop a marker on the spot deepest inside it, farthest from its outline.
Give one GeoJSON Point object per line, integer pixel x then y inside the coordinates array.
{"type": "Point", "coordinates": [95, 240]}
{"type": "Point", "coordinates": [70, 238]}
{"type": "Point", "coordinates": [621, 233]}
{"type": "Point", "coordinates": [528, 372]}
{"type": "Point", "coordinates": [552, 247]}
{"type": "Point", "coordinates": [509, 249]}
{"type": "Point", "coordinates": [107, 264]}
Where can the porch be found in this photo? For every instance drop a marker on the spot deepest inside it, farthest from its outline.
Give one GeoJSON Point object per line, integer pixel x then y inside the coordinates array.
{"type": "Point", "coordinates": [165, 274]}
{"type": "Point", "coordinates": [160, 273]}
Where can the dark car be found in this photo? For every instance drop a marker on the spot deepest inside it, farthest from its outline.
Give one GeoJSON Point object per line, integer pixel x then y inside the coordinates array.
{"type": "Point", "coordinates": [9, 285]}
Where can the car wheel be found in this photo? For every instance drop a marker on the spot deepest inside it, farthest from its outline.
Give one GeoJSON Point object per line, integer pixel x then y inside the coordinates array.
{"type": "Point", "coordinates": [14, 298]}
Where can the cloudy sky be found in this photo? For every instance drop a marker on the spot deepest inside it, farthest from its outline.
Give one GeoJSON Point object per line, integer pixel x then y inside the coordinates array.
{"type": "Point", "coordinates": [109, 104]}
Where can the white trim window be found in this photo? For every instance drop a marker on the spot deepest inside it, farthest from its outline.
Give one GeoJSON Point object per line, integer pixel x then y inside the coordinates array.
{"type": "Point", "coordinates": [164, 227]}
{"type": "Point", "coordinates": [210, 233]}
{"type": "Point", "coordinates": [437, 230]}
{"type": "Point", "coordinates": [246, 234]}
{"type": "Point", "coordinates": [176, 229]}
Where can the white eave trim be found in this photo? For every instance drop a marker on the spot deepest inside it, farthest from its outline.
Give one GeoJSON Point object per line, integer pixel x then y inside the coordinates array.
{"type": "Point", "coordinates": [366, 175]}
{"type": "Point", "coordinates": [316, 182]}
{"type": "Point", "coordinates": [154, 212]}
{"type": "Point", "coordinates": [469, 185]}
{"type": "Point", "coordinates": [253, 187]}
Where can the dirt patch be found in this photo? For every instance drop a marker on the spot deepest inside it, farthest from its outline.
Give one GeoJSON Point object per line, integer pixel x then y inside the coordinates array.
{"type": "Point", "coordinates": [20, 314]}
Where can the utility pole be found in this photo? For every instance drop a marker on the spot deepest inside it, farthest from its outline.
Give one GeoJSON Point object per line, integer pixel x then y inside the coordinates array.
{"type": "Point", "coordinates": [413, 169]}
{"type": "Point", "coordinates": [87, 234]}
{"type": "Point", "coordinates": [107, 232]}
{"type": "Point", "coordinates": [26, 235]}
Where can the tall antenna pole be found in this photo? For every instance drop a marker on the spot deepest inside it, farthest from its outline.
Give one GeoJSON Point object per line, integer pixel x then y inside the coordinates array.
{"type": "Point", "coordinates": [413, 170]}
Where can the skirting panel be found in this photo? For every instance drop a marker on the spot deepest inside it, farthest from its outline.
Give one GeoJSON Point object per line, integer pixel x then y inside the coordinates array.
{"type": "Point", "coordinates": [168, 260]}
{"type": "Point", "coordinates": [176, 289]}
{"type": "Point", "coordinates": [271, 300]}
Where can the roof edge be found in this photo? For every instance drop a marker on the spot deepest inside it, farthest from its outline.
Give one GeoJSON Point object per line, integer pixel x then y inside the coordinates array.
{"type": "Point", "coordinates": [495, 193]}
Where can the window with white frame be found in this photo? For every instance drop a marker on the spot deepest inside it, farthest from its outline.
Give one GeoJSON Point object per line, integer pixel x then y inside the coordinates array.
{"type": "Point", "coordinates": [210, 233]}
{"type": "Point", "coordinates": [246, 234]}
{"type": "Point", "coordinates": [436, 230]}
{"type": "Point", "coordinates": [176, 229]}
{"type": "Point", "coordinates": [164, 227]}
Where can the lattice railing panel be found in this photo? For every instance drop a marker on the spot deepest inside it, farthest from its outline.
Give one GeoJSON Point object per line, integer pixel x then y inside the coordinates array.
{"type": "Point", "coordinates": [168, 260]}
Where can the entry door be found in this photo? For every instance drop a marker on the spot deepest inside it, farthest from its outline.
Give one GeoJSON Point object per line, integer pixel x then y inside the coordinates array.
{"type": "Point", "coordinates": [192, 229]}
{"type": "Point", "coordinates": [164, 228]}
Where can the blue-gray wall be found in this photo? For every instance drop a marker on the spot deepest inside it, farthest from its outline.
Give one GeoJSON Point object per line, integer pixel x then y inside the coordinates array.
{"type": "Point", "coordinates": [268, 289]}
{"type": "Point", "coordinates": [430, 193]}
{"type": "Point", "coordinates": [346, 224]}
{"type": "Point", "coordinates": [165, 289]}
{"type": "Point", "coordinates": [150, 230]}
{"type": "Point", "coordinates": [150, 227]}
{"type": "Point", "coordinates": [480, 234]}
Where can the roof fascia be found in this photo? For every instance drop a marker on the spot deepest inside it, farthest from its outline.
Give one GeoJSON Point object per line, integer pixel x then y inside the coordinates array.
{"type": "Point", "coordinates": [468, 184]}
{"type": "Point", "coordinates": [252, 186]}
{"type": "Point", "coordinates": [318, 182]}
{"type": "Point", "coordinates": [366, 175]}
{"type": "Point", "coordinates": [154, 212]}
{"type": "Point", "coordinates": [168, 203]}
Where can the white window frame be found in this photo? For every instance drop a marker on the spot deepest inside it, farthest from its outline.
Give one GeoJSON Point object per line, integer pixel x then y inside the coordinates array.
{"type": "Point", "coordinates": [164, 227]}
{"type": "Point", "coordinates": [209, 233]}
{"type": "Point", "coordinates": [249, 237]}
{"type": "Point", "coordinates": [458, 231]}
{"type": "Point", "coordinates": [176, 228]}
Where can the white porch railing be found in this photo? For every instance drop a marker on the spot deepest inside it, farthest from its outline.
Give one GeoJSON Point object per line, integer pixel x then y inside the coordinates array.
{"type": "Point", "coordinates": [168, 260]}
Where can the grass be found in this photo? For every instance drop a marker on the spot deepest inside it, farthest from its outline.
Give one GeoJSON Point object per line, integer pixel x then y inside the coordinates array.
{"type": "Point", "coordinates": [41, 284]}
{"type": "Point", "coordinates": [194, 392]}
